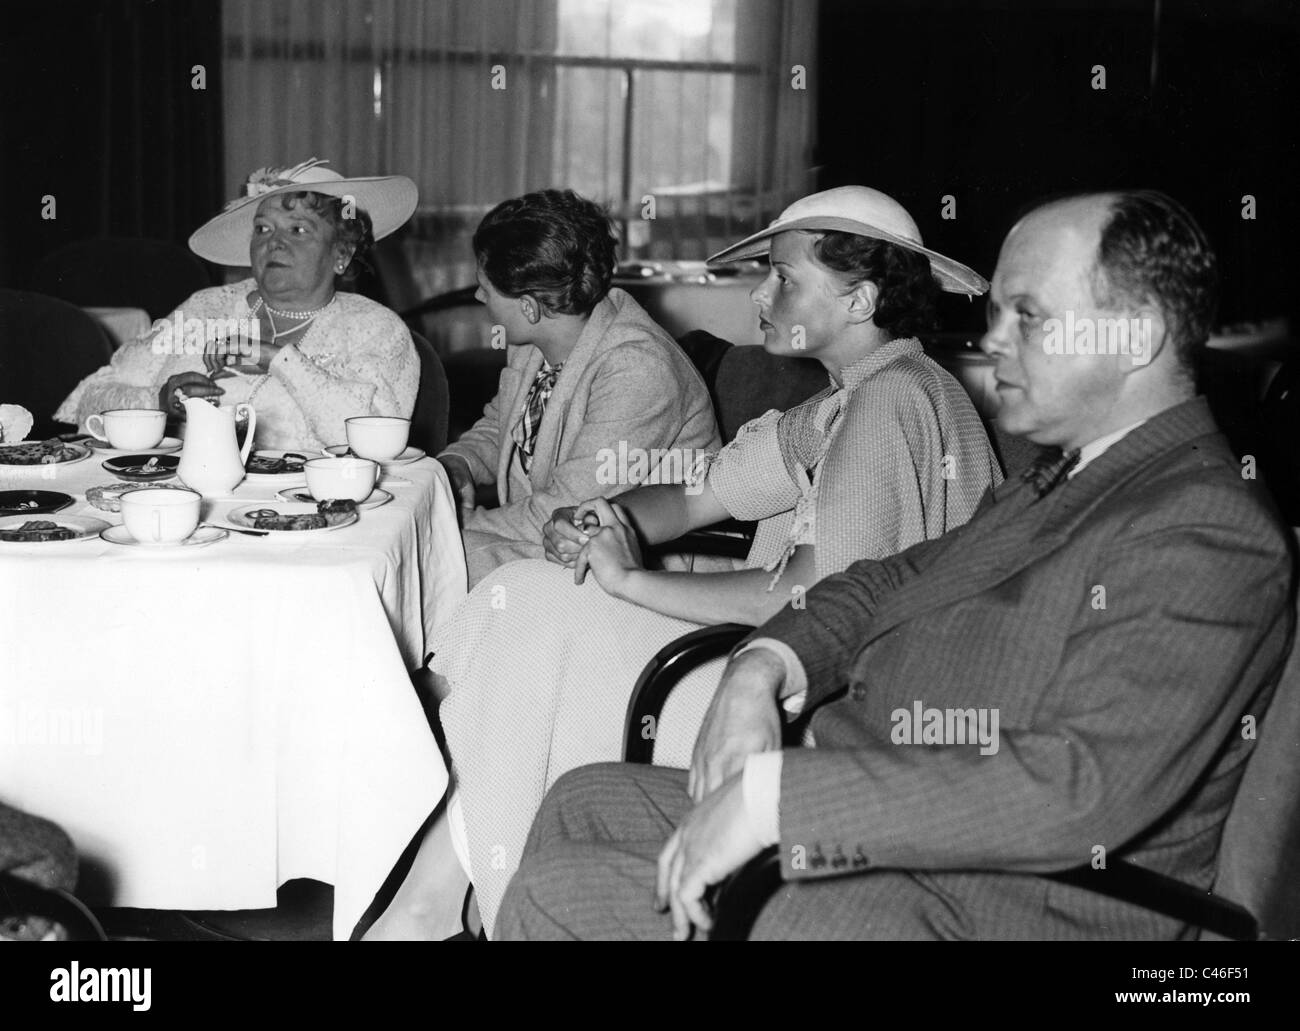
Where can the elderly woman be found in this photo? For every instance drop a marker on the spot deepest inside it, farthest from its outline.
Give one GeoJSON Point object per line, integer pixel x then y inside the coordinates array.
{"type": "Point", "coordinates": [892, 452]}
{"type": "Point", "coordinates": [305, 356]}
{"type": "Point", "coordinates": [588, 372]}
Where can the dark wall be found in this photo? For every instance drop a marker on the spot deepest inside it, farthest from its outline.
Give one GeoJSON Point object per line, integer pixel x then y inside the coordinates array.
{"type": "Point", "coordinates": [97, 109]}
{"type": "Point", "coordinates": [992, 102]}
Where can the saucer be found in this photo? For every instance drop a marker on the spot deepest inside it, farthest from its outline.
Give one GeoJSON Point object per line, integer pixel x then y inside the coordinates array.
{"type": "Point", "coordinates": [134, 467]}
{"type": "Point", "coordinates": [201, 537]}
{"type": "Point", "coordinates": [378, 497]}
{"type": "Point", "coordinates": [33, 502]}
{"type": "Point", "coordinates": [411, 454]}
{"type": "Point", "coordinates": [164, 447]}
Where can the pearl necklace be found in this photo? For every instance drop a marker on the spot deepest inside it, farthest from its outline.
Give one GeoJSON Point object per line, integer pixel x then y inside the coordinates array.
{"type": "Point", "coordinates": [295, 314]}
{"type": "Point", "coordinates": [306, 317]}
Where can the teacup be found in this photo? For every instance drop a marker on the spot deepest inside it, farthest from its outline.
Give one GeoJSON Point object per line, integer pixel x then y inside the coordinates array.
{"type": "Point", "coordinates": [378, 437]}
{"type": "Point", "coordinates": [334, 479]}
{"type": "Point", "coordinates": [128, 429]}
{"type": "Point", "coordinates": [160, 516]}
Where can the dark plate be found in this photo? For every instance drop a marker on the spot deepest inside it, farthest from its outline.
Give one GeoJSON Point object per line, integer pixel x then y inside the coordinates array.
{"type": "Point", "coordinates": [132, 467]}
{"type": "Point", "coordinates": [32, 502]}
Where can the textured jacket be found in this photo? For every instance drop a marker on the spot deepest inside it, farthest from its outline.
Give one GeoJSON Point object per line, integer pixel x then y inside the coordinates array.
{"type": "Point", "coordinates": [626, 385]}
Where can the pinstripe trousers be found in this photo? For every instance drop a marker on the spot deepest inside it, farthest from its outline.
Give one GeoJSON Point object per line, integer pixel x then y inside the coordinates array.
{"type": "Point", "coordinates": [588, 873]}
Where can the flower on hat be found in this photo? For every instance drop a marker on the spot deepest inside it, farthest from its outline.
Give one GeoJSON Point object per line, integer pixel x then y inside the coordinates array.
{"type": "Point", "coordinates": [264, 180]}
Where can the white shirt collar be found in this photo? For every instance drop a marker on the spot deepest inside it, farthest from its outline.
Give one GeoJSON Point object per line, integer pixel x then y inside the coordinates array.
{"type": "Point", "coordinates": [1095, 448]}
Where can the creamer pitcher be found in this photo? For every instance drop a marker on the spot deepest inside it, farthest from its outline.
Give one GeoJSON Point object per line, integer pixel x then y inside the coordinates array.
{"type": "Point", "coordinates": [212, 462]}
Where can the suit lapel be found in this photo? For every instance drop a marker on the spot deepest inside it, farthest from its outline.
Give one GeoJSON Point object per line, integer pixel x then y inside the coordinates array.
{"type": "Point", "coordinates": [551, 433]}
{"type": "Point", "coordinates": [1018, 530]}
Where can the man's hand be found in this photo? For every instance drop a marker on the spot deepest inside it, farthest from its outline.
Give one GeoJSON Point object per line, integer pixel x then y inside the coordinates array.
{"type": "Point", "coordinates": [743, 719]}
{"type": "Point", "coordinates": [462, 482]}
{"type": "Point", "coordinates": [714, 841]}
{"type": "Point", "coordinates": [191, 384]}
{"type": "Point", "coordinates": [563, 538]}
{"type": "Point", "coordinates": [612, 551]}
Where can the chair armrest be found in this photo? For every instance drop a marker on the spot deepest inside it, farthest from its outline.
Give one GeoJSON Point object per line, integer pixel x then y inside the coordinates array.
{"type": "Point", "coordinates": [740, 899]}
{"type": "Point", "coordinates": [729, 538]}
{"type": "Point", "coordinates": [22, 897]}
{"type": "Point", "coordinates": [663, 673]}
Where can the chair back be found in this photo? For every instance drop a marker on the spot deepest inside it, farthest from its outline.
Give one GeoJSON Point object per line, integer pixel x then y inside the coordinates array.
{"type": "Point", "coordinates": [121, 272]}
{"type": "Point", "coordinates": [47, 347]}
{"type": "Point", "coordinates": [432, 402]}
{"type": "Point", "coordinates": [750, 381]}
{"type": "Point", "coordinates": [1259, 853]}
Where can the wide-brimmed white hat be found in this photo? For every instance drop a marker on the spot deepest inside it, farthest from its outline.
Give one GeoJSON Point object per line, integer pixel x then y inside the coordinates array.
{"type": "Point", "coordinates": [864, 212]}
{"type": "Point", "coordinates": [389, 200]}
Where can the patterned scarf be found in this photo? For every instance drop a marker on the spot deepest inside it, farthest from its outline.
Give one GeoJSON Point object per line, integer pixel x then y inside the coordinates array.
{"type": "Point", "coordinates": [525, 432]}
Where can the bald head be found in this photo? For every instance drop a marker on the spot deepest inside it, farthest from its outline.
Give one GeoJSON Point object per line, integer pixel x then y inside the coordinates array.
{"type": "Point", "coordinates": [1098, 304]}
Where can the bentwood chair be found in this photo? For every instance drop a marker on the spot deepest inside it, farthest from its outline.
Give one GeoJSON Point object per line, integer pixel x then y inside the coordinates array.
{"type": "Point", "coordinates": [1256, 892]}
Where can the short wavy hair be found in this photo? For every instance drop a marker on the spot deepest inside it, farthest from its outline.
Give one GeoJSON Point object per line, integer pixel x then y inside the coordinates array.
{"type": "Point", "coordinates": [356, 231]}
{"type": "Point", "coordinates": [906, 305]}
{"type": "Point", "coordinates": [553, 244]}
{"type": "Point", "coordinates": [1153, 252]}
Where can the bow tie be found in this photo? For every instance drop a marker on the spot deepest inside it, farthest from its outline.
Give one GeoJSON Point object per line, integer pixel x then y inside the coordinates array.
{"type": "Point", "coordinates": [1049, 470]}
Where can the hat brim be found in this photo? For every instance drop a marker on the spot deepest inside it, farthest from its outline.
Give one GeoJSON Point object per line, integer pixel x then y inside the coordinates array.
{"type": "Point", "coordinates": [952, 276]}
{"type": "Point", "coordinates": [389, 201]}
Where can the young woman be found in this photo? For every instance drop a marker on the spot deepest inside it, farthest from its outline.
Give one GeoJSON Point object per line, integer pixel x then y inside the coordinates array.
{"type": "Point", "coordinates": [587, 371]}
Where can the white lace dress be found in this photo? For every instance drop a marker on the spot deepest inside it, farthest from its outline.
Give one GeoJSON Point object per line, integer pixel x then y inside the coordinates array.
{"type": "Point", "coordinates": [356, 358]}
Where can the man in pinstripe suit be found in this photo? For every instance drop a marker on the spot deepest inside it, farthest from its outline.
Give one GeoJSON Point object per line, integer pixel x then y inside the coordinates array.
{"type": "Point", "coordinates": [1116, 616]}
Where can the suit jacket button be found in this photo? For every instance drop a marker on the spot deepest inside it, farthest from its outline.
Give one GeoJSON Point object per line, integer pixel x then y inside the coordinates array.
{"type": "Point", "coordinates": [858, 693]}
{"type": "Point", "coordinates": [838, 861]}
{"type": "Point", "coordinates": [817, 860]}
{"type": "Point", "coordinates": [859, 859]}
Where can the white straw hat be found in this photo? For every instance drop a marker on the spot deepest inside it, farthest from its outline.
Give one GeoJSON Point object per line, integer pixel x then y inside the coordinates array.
{"type": "Point", "coordinates": [389, 200]}
{"type": "Point", "coordinates": [864, 212]}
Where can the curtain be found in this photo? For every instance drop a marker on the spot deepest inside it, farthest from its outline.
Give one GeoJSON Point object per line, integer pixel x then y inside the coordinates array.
{"type": "Point", "coordinates": [481, 100]}
{"type": "Point", "coordinates": [105, 113]}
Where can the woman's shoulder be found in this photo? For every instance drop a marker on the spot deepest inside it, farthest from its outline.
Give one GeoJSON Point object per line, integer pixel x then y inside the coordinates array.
{"type": "Point", "coordinates": [911, 383]}
{"type": "Point", "coordinates": [217, 298]}
{"type": "Point", "coordinates": [374, 317]}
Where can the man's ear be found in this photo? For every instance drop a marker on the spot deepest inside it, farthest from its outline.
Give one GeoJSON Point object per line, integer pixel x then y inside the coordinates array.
{"type": "Point", "coordinates": [862, 301]}
{"type": "Point", "coordinates": [1148, 335]}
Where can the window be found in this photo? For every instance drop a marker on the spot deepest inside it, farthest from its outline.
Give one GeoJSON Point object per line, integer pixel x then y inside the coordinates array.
{"type": "Point", "coordinates": [680, 109]}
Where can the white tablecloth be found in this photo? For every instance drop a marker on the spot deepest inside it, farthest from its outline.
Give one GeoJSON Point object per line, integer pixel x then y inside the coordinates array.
{"type": "Point", "coordinates": [209, 723]}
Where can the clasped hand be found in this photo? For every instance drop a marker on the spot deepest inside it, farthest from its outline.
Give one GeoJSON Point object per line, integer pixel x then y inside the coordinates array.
{"type": "Point", "coordinates": [597, 536]}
